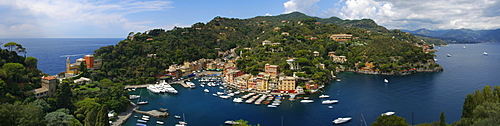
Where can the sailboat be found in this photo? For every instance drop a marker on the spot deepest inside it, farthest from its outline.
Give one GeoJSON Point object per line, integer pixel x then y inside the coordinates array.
{"type": "Point", "coordinates": [141, 102]}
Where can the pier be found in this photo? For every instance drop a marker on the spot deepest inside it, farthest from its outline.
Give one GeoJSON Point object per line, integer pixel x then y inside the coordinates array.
{"type": "Point", "coordinates": [136, 86]}
{"type": "Point", "coordinates": [154, 113]}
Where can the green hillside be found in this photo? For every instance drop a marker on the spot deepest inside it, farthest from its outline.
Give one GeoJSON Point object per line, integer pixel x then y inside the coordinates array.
{"type": "Point", "coordinates": [299, 36]}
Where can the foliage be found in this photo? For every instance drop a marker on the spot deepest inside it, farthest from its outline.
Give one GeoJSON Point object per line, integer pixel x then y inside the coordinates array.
{"type": "Point", "coordinates": [61, 117]}
{"type": "Point", "coordinates": [21, 115]}
{"type": "Point", "coordinates": [63, 95]}
{"type": "Point", "coordinates": [442, 119]}
{"type": "Point", "coordinates": [298, 34]}
{"type": "Point", "coordinates": [481, 108]}
{"type": "Point", "coordinates": [391, 120]}
{"type": "Point", "coordinates": [244, 123]}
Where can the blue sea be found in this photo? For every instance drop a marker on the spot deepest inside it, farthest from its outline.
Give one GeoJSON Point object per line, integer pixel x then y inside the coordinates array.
{"type": "Point", "coordinates": [52, 52]}
{"type": "Point", "coordinates": [419, 98]}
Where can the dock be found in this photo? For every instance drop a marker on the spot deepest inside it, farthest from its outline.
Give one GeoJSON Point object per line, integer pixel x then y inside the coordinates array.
{"type": "Point", "coordinates": [182, 83]}
{"type": "Point", "coordinates": [154, 113]}
{"type": "Point", "coordinates": [136, 86]}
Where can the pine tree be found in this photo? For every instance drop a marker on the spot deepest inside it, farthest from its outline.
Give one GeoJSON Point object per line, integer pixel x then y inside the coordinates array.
{"type": "Point", "coordinates": [102, 116]}
{"type": "Point", "coordinates": [442, 121]}
{"type": "Point", "coordinates": [90, 118]}
{"type": "Point", "coordinates": [63, 95]}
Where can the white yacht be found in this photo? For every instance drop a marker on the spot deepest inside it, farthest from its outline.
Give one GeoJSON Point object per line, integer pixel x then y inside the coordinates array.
{"type": "Point", "coordinates": [388, 113]}
{"type": "Point", "coordinates": [191, 84]}
{"type": "Point", "coordinates": [341, 120]}
{"type": "Point", "coordinates": [324, 96]}
{"type": "Point", "coordinates": [238, 100]}
{"type": "Point", "coordinates": [224, 96]}
{"type": "Point", "coordinates": [206, 90]}
{"type": "Point", "coordinates": [306, 101]}
{"type": "Point", "coordinates": [386, 81]}
{"type": "Point", "coordinates": [329, 101]}
{"type": "Point", "coordinates": [142, 102]}
{"type": "Point", "coordinates": [272, 106]}
{"type": "Point", "coordinates": [448, 55]}
{"type": "Point", "coordinates": [159, 122]}
{"type": "Point", "coordinates": [485, 53]}
{"type": "Point", "coordinates": [131, 97]}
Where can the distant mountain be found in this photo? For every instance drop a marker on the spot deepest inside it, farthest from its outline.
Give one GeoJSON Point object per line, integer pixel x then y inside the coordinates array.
{"type": "Point", "coordinates": [460, 35]}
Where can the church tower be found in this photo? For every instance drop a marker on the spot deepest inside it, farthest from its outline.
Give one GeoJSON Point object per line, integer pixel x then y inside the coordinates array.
{"type": "Point", "coordinates": [68, 65]}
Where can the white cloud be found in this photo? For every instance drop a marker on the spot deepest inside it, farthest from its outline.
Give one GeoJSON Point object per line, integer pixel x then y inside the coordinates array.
{"type": "Point", "coordinates": [59, 15]}
{"type": "Point", "coordinates": [304, 6]}
{"type": "Point", "coordinates": [267, 14]}
{"type": "Point", "coordinates": [431, 14]}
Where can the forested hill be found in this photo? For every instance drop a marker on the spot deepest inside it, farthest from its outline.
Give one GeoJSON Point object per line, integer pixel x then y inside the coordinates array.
{"type": "Point", "coordinates": [299, 36]}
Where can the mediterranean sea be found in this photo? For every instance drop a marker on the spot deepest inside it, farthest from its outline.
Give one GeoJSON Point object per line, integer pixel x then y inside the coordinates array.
{"type": "Point", "coordinates": [52, 52]}
{"type": "Point", "coordinates": [419, 98]}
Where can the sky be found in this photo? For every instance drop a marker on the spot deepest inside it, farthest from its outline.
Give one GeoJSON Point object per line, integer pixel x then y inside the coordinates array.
{"type": "Point", "coordinates": [117, 18]}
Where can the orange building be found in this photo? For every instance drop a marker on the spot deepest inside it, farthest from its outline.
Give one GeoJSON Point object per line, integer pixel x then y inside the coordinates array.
{"type": "Point", "coordinates": [271, 69]}
{"type": "Point", "coordinates": [89, 61]}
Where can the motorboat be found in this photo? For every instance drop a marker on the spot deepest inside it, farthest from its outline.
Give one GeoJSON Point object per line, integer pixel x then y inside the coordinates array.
{"type": "Point", "coordinates": [131, 97]}
{"type": "Point", "coordinates": [177, 116]}
{"type": "Point", "coordinates": [142, 121]}
{"type": "Point", "coordinates": [329, 101]}
{"type": "Point", "coordinates": [145, 119]}
{"type": "Point", "coordinates": [341, 120]}
{"type": "Point", "coordinates": [224, 96]}
{"type": "Point", "coordinates": [159, 122]}
{"type": "Point", "coordinates": [142, 102]}
{"type": "Point", "coordinates": [324, 96]}
{"type": "Point", "coordinates": [448, 55]}
{"type": "Point", "coordinates": [231, 122]}
{"type": "Point", "coordinates": [485, 53]}
{"type": "Point", "coordinates": [238, 100]}
{"type": "Point", "coordinates": [191, 84]}
{"type": "Point", "coordinates": [145, 116]}
{"type": "Point", "coordinates": [386, 81]}
{"type": "Point", "coordinates": [206, 90]}
{"type": "Point", "coordinates": [272, 106]}
{"type": "Point", "coordinates": [306, 101]}
{"type": "Point", "coordinates": [388, 113]}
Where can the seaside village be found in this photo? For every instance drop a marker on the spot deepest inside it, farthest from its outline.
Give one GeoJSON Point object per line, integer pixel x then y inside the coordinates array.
{"type": "Point", "coordinates": [49, 83]}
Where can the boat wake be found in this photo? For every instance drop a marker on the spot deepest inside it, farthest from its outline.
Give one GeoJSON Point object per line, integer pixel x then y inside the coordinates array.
{"type": "Point", "coordinates": [72, 55]}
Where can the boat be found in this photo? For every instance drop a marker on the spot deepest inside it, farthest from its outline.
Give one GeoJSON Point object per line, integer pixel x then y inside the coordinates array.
{"type": "Point", "coordinates": [131, 97]}
{"type": "Point", "coordinates": [225, 96]}
{"type": "Point", "coordinates": [140, 124]}
{"type": "Point", "coordinates": [485, 53]}
{"type": "Point", "coordinates": [191, 84]}
{"type": "Point", "coordinates": [177, 116]}
{"type": "Point", "coordinates": [145, 119]}
{"type": "Point", "coordinates": [330, 106]}
{"type": "Point", "coordinates": [183, 122]}
{"type": "Point", "coordinates": [448, 55]}
{"type": "Point", "coordinates": [464, 47]}
{"type": "Point", "coordinates": [142, 121]}
{"type": "Point", "coordinates": [206, 90]}
{"type": "Point", "coordinates": [238, 100]}
{"type": "Point", "coordinates": [163, 109]}
{"type": "Point", "coordinates": [329, 101]}
{"type": "Point", "coordinates": [271, 106]}
{"type": "Point", "coordinates": [386, 81]}
{"type": "Point", "coordinates": [341, 120]}
{"type": "Point", "coordinates": [159, 122]}
{"type": "Point", "coordinates": [231, 122]}
{"type": "Point", "coordinates": [142, 102]}
{"type": "Point", "coordinates": [388, 113]}
{"type": "Point", "coordinates": [306, 101]}
{"type": "Point", "coordinates": [145, 116]}
{"type": "Point", "coordinates": [324, 96]}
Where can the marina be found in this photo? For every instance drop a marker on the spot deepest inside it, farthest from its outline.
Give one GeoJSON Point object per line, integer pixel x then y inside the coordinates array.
{"type": "Point", "coordinates": [357, 93]}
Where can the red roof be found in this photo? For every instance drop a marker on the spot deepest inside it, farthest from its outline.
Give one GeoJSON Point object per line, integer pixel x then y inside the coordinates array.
{"type": "Point", "coordinates": [49, 78]}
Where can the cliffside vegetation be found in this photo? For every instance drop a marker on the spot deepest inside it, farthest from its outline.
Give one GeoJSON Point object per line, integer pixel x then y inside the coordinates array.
{"type": "Point", "coordinates": [299, 36]}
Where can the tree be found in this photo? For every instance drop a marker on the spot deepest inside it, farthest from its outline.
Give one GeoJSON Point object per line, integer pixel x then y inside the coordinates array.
{"type": "Point", "coordinates": [90, 117]}
{"type": "Point", "coordinates": [31, 62]}
{"type": "Point", "coordinates": [12, 45]}
{"type": "Point", "coordinates": [84, 107]}
{"type": "Point", "coordinates": [61, 117]}
{"type": "Point", "coordinates": [391, 120]}
{"type": "Point", "coordinates": [63, 95]}
{"type": "Point", "coordinates": [102, 117]}
{"type": "Point", "coordinates": [442, 121]}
